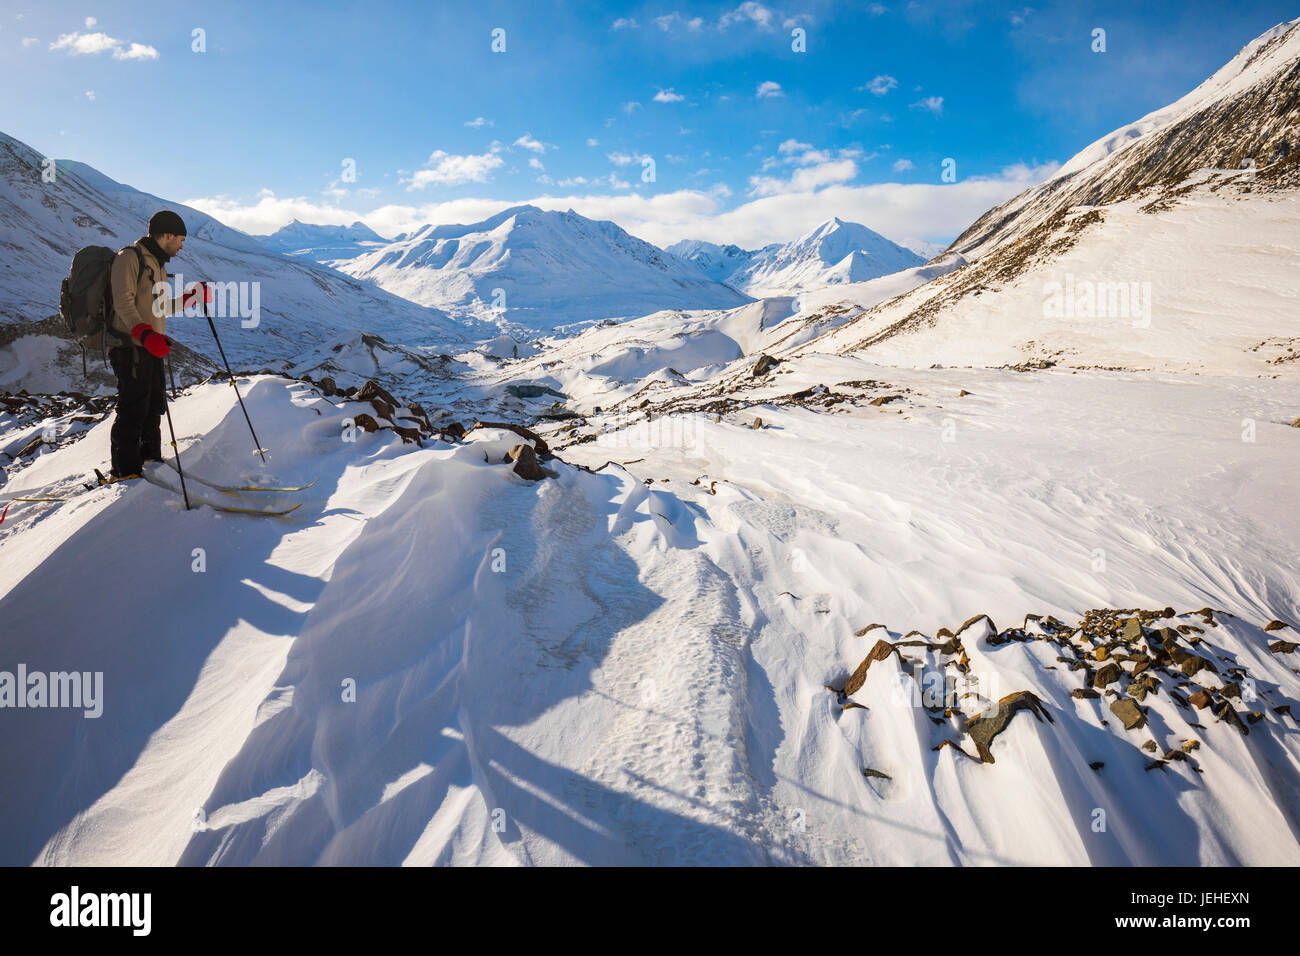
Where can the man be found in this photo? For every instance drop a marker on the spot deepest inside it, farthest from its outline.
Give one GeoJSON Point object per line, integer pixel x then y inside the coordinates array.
{"type": "Point", "coordinates": [141, 306]}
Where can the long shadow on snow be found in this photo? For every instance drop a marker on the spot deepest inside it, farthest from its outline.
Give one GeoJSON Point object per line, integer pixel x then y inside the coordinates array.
{"type": "Point", "coordinates": [119, 596]}
{"type": "Point", "coordinates": [445, 653]}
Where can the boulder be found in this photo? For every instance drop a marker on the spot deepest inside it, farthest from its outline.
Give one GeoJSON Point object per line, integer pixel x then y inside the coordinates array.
{"type": "Point", "coordinates": [1107, 675]}
{"type": "Point", "coordinates": [526, 465]}
{"type": "Point", "coordinates": [1129, 713]}
{"type": "Point", "coordinates": [986, 726]}
{"type": "Point", "coordinates": [1084, 693]}
{"type": "Point", "coordinates": [764, 365]}
{"type": "Point", "coordinates": [1201, 699]}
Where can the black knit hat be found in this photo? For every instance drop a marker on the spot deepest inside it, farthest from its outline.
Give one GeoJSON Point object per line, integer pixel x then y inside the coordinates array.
{"type": "Point", "coordinates": [164, 222]}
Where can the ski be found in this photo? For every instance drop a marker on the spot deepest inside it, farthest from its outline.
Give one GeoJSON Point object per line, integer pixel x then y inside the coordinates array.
{"type": "Point", "coordinates": [152, 476]}
{"type": "Point", "coordinates": [236, 489]}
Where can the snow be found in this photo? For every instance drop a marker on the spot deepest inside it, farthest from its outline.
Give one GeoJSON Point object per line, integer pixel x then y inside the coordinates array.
{"type": "Point", "coordinates": [300, 303]}
{"type": "Point", "coordinates": [834, 253]}
{"type": "Point", "coordinates": [529, 269]}
{"type": "Point", "coordinates": [632, 685]}
{"type": "Point", "coordinates": [435, 662]}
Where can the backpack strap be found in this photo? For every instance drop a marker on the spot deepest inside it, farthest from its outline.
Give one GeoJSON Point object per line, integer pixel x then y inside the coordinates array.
{"type": "Point", "coordinates": [139, 258]}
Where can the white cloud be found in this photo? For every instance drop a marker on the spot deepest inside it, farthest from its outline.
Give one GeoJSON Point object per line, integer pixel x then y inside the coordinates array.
{"type": "Point", "coordinates": [792, 145]}
{"type": "Point", "coordinates": [931, 104]}
{"type": "Point", "coordinates": [806, 179]}
{"type": "Point", "coordinates": [902, 165]}
{"type": "Point", "coordinates": [938, 210]}
{"type": "Point", "coordinates": [625, 159]}
{"type": "Point", "coordinates": [880, 85]}
{"type": "Point", "coordinates": [755, 13]}
{"type": "Point", "coordinates": [90, 95]}
{"type": "Point", "coordinates": [86, 44]}
{"type": "Point", "coordinates": [445, 169]}
{"type": "Point", "coordinates": [30, 42]}
{"type": "Point", "coordinates": [592, 141]}
{"type": "Point", "coordinates": [535, 163]}
{"type": "Point", "coordinates": [876, 9]}
{"type": "Point", "coordinates": [527, 142]}
{"type": "Point", "coordinates": [630, 106]}
{"type": "Point", "coordinates": [768, 88]}
{"type": "Point", "coordinates": [137, 51]}
{"type": "Point", "coordinates": [80, 44]}
{"type": "Point", "coordinates": [673, 19]}
{"type": "Point", "coordinates": [90, 23]}
{"type": "Point", "coordinates": [668, 96]}
{"type": "Point", "coordinates": [478, 122]}
{"type": "Point", "coordinates": [622, 24]}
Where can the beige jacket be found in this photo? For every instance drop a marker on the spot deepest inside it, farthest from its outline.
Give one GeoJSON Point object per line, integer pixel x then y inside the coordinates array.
{"type": "Point", "coordinates": [140, 294]}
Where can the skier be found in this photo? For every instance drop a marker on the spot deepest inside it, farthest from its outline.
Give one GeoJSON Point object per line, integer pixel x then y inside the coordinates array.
{"type": "Point", "coordinates": [141, 305]}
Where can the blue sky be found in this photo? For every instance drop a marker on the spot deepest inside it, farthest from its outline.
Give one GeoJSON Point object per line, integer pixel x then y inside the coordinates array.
{"type": "Point", "coordinates": [751, 141]}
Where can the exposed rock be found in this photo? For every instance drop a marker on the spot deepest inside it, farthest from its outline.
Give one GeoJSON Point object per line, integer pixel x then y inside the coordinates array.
{"type": "Point", "coordinates": [1225, 712]}
{"type": "Point", "coordinates": [1150, 746]}
{"type": "Point", "coordinates": [1129, 713]}
{"type": "Point", "coordinates": [409, 434]}
{"type": "Point", "coordinates": [758, 423]}
{"type": "Point", "coordinates": [455, 430]}
{"type": "Point", "coordinates": [1084, 693]}
{"type": "Point", "coordinates": [376, 395]}
{"type": "Point", "coordinates": [885, 398]}
{"type": "Point", "coordinates": [365, 421]}
{"type": "Point", "coordinates": [539, 444]}
{"type": "Point", "coordinates": [1107, 675]}
{"type": "Point", "coordinates": [878, 653]}
{"type": "Point", "coordinates": [986, 726]}
{"type": "Point", "coordinates": [1201, 699]}
{"type": "Point", "coordinates": [990, 628]}
{"type": "Point", "coordinates": [869, 627]}
{"type": "Point", "coordinates": [328, 386]}
{"type": "Point", "coordinates": [1283, 647]}
{"type": "Point", "coordinates": [1190, 745]}
{"type": "Point", "coordinates": [526, 465]}
{"type": "Point", "coordinates": [869, 772]}
{"type": "Point", "coordinates": [764, 365]}
{"type": "Point", "coordinates": [1275, 625]}
{"type": "Point", "coordinates": [1097, 764]}
{"type": "Point", "coordinates": [1132, 630]}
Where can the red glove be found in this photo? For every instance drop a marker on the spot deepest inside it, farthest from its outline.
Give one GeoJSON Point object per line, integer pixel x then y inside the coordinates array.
{"type": "Point", "coordinates": [157, 345]}
{"type": "Point", "coordinates": [192, 295]}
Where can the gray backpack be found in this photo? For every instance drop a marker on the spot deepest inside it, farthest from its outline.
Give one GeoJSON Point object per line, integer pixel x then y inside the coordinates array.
{"type": "Point", "coordinates": [86, 300]}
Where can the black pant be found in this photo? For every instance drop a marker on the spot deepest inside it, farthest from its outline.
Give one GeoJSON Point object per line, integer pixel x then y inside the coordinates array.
{"type": "Point", "coordinates": [141, 402]}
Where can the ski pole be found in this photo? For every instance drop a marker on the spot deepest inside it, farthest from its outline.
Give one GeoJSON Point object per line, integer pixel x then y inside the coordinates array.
{"type": "Point", "coordinates": [172, 375]}
{"type": "Point", "coordinates": [261, 451]}
{"type": "Point", "coordinates": [176, 450]}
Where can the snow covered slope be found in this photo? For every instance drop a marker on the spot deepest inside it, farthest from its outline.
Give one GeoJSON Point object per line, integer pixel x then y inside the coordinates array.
{"type": "Point", "coordinates": [538, 269]}
{"type": "Point", "coordinates": [300, 303]}
{"type": "Point", "coordinates": [323, 243]}
{"type": "Point", "coordinates": [1156, 252]}
{"type": "Point", "coordinates": [1242, 120]}
{"type": "Point", "coordinates": [434, 662]}
{"type": "Point", "coordinates": [835, 253]}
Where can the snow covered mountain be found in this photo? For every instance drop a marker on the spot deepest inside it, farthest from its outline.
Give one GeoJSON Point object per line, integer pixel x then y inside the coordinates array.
{"type": "Point", "coordinates": [537, 269]}
{"type": "Point", "coordinates": [715, 261]}
{"type": "Point", "coordinates": [299, 303]}
{"type": "Point", "coordinates": [323, 244]}
{"type": "Point", "coordinates": [1168, 244]}
{"type": "Point", "coordinates": [835, 253]}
